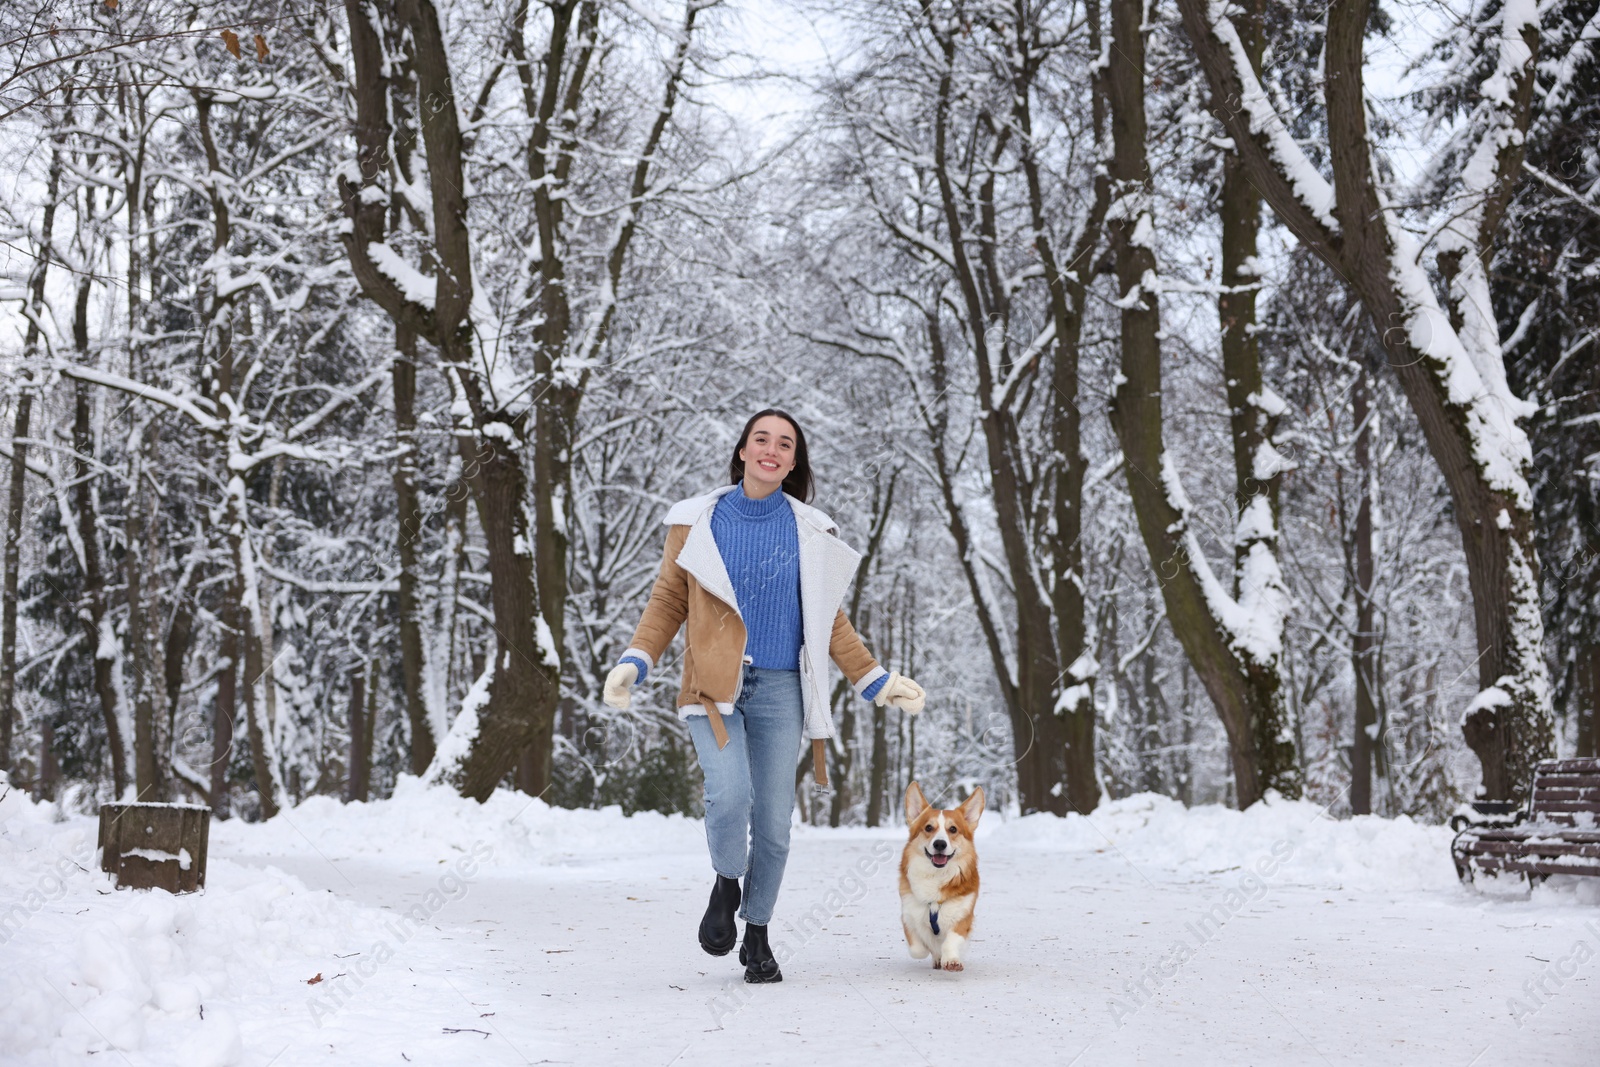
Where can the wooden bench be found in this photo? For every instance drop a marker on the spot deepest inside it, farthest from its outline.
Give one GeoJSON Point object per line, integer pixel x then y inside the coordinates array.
{"type": "Point", "coordinates": [1559, 833]}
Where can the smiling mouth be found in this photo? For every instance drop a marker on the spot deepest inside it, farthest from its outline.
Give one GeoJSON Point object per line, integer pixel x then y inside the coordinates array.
{"type": "Point", "coordinates": [938, 859]}
{"type": "Point", "coordinates": [767, 466]}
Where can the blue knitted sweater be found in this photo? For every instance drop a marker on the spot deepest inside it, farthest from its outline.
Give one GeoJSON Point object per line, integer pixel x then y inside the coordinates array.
{"type": "Point", "coordinates": [760, 547]}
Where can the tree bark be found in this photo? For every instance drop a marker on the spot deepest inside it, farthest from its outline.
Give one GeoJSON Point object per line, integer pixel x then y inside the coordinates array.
{"type": "Point", "coordinates": [575, 23]}
{"type": "Point", "coordinates": [49, 766]}
{"type": "Point", "coordinates": [92, 613]}
{"type": "Point", "coordinates": [148, 779]}
{"type": "Point", "coordinates": [257, 730]}
{"type": "Point", "coordinates": [245, 588]}
{"type": "Point", "coordinates": [1363, 642]}
{"type": "Point", "coordinates": [180, 632]}
{"type": "Point", "coordinates": [20, 429]}
{"type": "Point", "coordinates": [409, 533]}
{"type": "Point", "coordinates": [360, 745]}
{"type": "Point", "coordinates": [878, 775]}
{"type": "Point", "coordinates": [226, 707]}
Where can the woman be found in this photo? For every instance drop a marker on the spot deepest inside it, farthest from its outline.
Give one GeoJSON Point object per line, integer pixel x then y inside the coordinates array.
{"type": "Point", "coordinates": [758, 574]}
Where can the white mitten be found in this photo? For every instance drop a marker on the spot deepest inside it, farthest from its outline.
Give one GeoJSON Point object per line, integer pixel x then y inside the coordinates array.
{"type": "Point", "coordinates": [618, 682]}
{"type": "Point", "coordinates": [902, 692]}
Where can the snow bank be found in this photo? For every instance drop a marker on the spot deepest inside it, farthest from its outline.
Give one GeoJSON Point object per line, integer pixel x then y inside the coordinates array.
{"type": "Point", "coordinates": [421, 823]}
{"type": "Point", "coordinates": [89, 969]}
{"type": "Point", "coordinates": [1366, 852]}
{"type": "Point", "coordinates": [194, 979]}
{"type": "Point", "coordinates": [425, 822]}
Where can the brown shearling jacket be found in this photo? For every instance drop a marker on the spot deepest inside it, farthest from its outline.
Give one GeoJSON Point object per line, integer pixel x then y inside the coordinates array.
{"type": "Point", "coordinates": [693, 590]}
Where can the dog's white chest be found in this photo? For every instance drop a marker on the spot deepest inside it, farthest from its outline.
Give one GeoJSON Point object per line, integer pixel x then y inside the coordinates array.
{"type": "Point", "coordinates": [931, 916]}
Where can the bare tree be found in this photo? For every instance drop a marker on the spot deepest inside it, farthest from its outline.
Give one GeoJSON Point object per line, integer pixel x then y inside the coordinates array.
{"type": "Point", "coordinates": [1234, 642]}
{"type": "Point", "coordinates": [972, 79]}
{"type": "Point", "coordinates": [1446, 352]}
{"type": "Point", "coordinates": [510, 445]}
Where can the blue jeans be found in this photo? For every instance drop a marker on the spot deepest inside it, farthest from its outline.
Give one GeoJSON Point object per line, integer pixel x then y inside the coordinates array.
{"type": "Point", "coordinates": [750, 785]}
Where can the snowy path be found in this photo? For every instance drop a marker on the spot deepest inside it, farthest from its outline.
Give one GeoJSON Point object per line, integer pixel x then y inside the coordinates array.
{"type": "Point", "coordinates": [591, 958]}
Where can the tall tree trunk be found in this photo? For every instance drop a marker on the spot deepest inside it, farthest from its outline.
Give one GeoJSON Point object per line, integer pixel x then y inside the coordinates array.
{"type": "Point", "coordinates": [1589, 710]}
{"type": "Point", "coordinates": [254, 626]}
{"type": "Point", "coordinates": [565, 352]}
{"type": "Point", "coordinates": [409, 533]}
{"type": "Point", "coordinates": [92, 613]}
{"type": "Point", "coordinates": [842, 754]}
{"type": "Point", "coordinates": [1242, 678]}
{"type": "Point", "coordinates": [227, 705]}
{"type": "Point", "coordinates": [883, 756]}
{"type": "Point", "coordinates": [1034, 682]}
{"type": "Point", "coordinates": [518, 685]}
{"type": "Point", "coordinates": [360, 745]}
{"type": "Point", "coordinates": [1363, 643]}
{"type": "Point", "coordinates": [1445, 354]}
{"type": "Point", "coordinates": [842, 750]}
{"type": "Point", "coordinates": [1071, 690]}
{"type": "Point", "coordinates": [180, 631]}
{"type": "Point", "coordinates": [20, 429]}
{"type": "Point", "coordinates": [552, 106]}
{"type": "Point", "coordinates": [247, 595]}
{"type": "Point", "coordinates": [1258, 467]}
{"type": "Point", "coordinates": [244, 595]}
{"type": "Point", "coordinates": [49, 767]}
{"type": "Point", "coordinates": [878, 775]}
{"type": "Point", "coordinates": [92, 610]}
{"type": "Point", "coordinates": [137, 567]}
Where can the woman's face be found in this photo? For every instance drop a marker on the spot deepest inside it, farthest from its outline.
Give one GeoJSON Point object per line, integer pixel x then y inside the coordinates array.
{"type": "Point", "coordinates": [768, 453]}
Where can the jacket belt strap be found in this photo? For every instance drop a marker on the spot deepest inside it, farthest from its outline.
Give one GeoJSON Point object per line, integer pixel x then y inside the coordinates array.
{"type": "Point", "coordinates": [819, 761]}
{"type": "Point", "coordinates": [718, 729]}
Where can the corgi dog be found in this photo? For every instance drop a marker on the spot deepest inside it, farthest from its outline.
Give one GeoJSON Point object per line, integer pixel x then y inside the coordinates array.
{"type": "Point", "coordinates": [939, 878]}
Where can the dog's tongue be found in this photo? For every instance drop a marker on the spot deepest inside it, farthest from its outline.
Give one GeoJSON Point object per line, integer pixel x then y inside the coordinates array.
{"type": "Point", "coordinates": [939, 859]}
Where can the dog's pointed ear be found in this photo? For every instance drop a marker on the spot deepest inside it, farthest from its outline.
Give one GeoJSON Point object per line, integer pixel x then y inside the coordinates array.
{"type": "Point", "coordinates": [972, 807]}
{"type": "Point", "coordinates": [916, 804]}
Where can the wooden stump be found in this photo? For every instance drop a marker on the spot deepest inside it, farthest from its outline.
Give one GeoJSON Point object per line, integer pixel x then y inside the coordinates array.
{"type": "Point", "coordinates": [155, 846]}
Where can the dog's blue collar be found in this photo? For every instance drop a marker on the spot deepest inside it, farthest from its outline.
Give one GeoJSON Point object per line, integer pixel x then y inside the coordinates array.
{"type": "Point", "coordinates": [933, 919]}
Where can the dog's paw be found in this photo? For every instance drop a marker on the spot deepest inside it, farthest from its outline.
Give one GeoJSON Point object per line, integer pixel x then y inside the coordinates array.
{"type": "Point", "coordinates": [953, 965]}
{"type": "Point", "coordinates": [936, 963]}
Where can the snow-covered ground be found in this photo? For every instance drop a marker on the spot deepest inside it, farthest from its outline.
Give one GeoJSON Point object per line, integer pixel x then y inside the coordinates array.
{"type": "Point", "coordinates": [446, 932]}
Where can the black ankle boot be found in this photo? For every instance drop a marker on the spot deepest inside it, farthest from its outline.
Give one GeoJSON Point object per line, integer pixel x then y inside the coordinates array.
{"type": "Point", "coordinates": [756, 955]}
{"type": "Point", "coordinates": [718, 930]}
